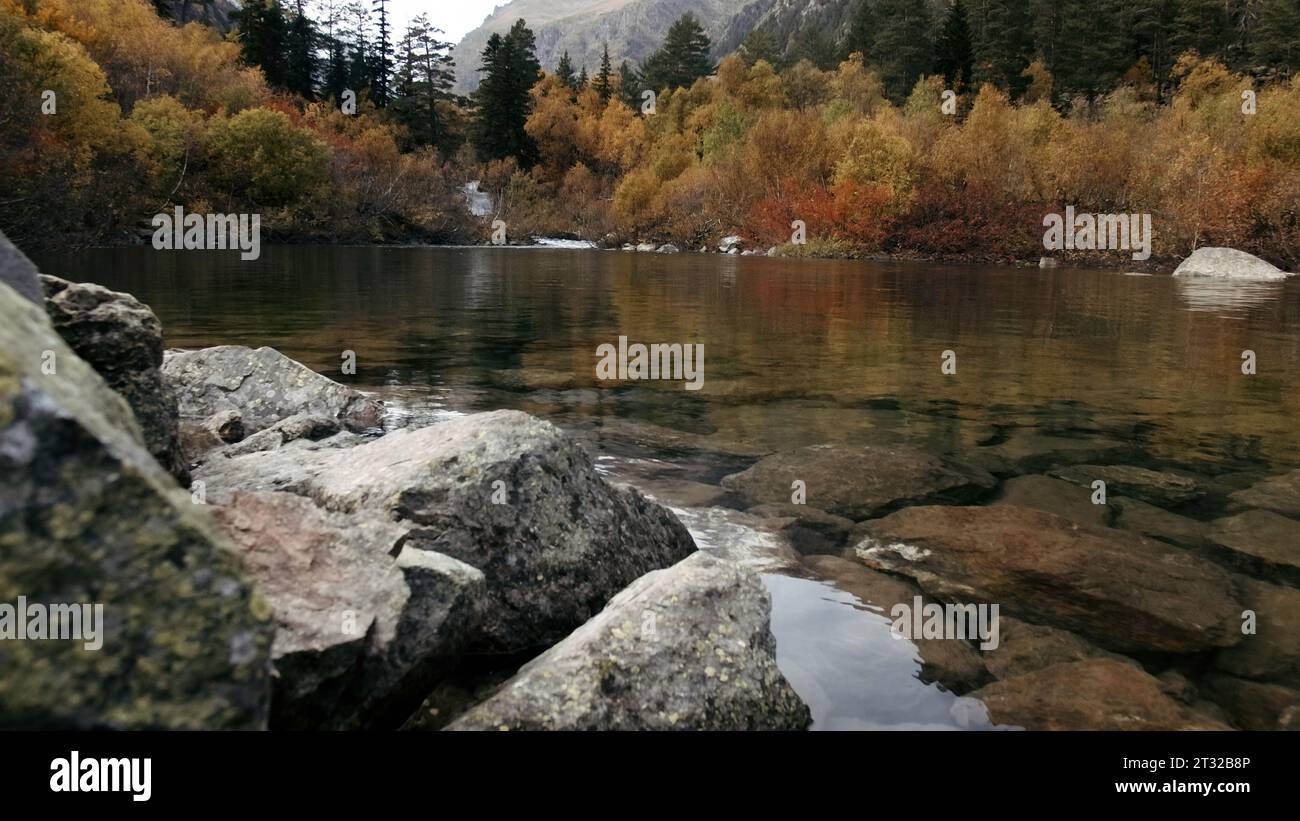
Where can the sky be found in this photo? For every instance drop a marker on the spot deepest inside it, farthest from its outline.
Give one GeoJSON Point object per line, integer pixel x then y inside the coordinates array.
{"type": "Point", "coordinates": [456, 17]}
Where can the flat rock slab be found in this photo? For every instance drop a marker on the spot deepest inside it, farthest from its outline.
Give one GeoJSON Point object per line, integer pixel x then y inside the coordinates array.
{"type": "Point", "coordinates": [1158, 523]}
{"type": "Point", "coordinates": [685, 648]}
{"type": "Point", "coordinates": [1063, 498]}
{"type": "Point", "coordinates": [859, 482]}
{"type": "Point", "coordinates": [1121, 591]}
{"type": "Point", "coordinates": [1262, 543]}
{"type": "Point", "coordinates": [1280, 494]}
{"type": "Point", "coordinates": [1157, 487]}
{"type": "Point", "coordinates": [954, 663]}
{"type": "Point", "coordinates": [1094, 694]}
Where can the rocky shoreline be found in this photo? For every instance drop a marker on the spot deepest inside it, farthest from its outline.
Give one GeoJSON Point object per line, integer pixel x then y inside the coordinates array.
{"type": "Point", "coordinates": [268, 558]}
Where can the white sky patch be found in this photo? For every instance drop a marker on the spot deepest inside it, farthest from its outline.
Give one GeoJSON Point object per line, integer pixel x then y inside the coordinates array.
{"type": "Point", "coordinates": [455, 17]}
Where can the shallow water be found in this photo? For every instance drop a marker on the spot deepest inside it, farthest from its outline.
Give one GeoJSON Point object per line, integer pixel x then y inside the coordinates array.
{"type": "Point", "coordinates": [796, 353]}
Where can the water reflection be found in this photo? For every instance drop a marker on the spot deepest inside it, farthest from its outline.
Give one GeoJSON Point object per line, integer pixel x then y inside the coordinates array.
{"type": "Point", "coordinates": [1227, 298]}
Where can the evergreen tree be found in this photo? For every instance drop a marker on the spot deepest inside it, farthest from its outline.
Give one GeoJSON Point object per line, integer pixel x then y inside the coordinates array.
{"type": "Point", "coordinates": [760, 44]}
{"type": "Point", "coordinates": [564, 70]}
{"type": "Point", "coordinates": [1276, 46]}
{"type": "Point", "coordinates": [359, 62]}
{"type": "Point", "coordinates": [263, 38]}
{"type": "Point", "coordinates": [583, 79]}
{"type": "Point", "coordinates": [862, 31]}
{"type": "Point", "coordinates": [629, 85]}
{"type": "Point", "coordinates": [423, 83]}
{"type": "Point", "coordinates": [810, 45]}
{"type": "Point", "coordinates": [503, 100]}
{"type": "Point", "coordinates": [1089, 51]}
{"type": "Point", "coordinates": [683, 58]}
{"type": "Point", "coordinates": [1199, 25]}
{"type": "Point", "coordinates": [901, 45]}
{"type": "Point", "coordinates": [604, 83]}
{"type": "Point", "coordinates": [1004, 46]}
{"type": "Point", "coordinates": [382, 58]}
{"type": "Point", "coordinates": [301, 42]}
{"type": "Point", "coordinates": [954, 57]}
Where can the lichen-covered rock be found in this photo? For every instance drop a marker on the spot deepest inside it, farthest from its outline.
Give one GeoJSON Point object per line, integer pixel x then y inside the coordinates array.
{"type": "Point", "coordinates": [361, 633]}
{"type": "Point", "coordinates": [1121, 591]}
{"type": "Point", "coordinates": [1094, 694]}
{"type": "Point", "coordinates": [859, 482]}
{"type": "Point", "coordinates": [87, 515]}
{"type": "Point", "coordinates": [687, 648]}
{"type": "Point", "coordinates": [121, 338]}
{"type": "Point", "coordinates": [503, 492]}
{"type": "Point", "coordinates": [263, 386]}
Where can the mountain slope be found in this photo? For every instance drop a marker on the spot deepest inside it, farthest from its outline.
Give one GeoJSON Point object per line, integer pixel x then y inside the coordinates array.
{"type": "Point", "coordinates": [632, 28]}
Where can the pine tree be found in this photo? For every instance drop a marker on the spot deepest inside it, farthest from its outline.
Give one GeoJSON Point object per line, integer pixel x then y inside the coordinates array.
{"type": "Point", "coordinates": [564, 70]}
{"type": "Point", "coordinates": [604, 83]}
{"type": "Point", "coordinates": [1088, 51]}
{"type": "Point", "coordinates": [1199, 25]}
{"type": "Point", "coordinates": [359, 65]}
{"type": "Point", "coordinates": [301, 43]}
{"type": "Point", "coordinates": [683, 58]}
{"type": "Point", "coordinates": [1276, 46]}
{"type": "Point", "coordinates": [954, 57]}
{"type": "Point", "coordinates": [862, 32]}
{"type": "Point", "coordinates": [583, 79]}
{"type": "Point", "coordinates": [901, 46]}
{"type": "Point", "coordinates": [629, 85]}
{"type": "Point", "coordinates": [760, 44]}
{"type": "Point", "coordinates": [503, 100]}
{"type": "Point", "coordinates": [1005, 45]}
{"type": "Point", "coordinates": [263, 38]}
{"type": "Point", "coordinates": [382, 58]}
{"type": "Point", "coordinates": [423, 83]}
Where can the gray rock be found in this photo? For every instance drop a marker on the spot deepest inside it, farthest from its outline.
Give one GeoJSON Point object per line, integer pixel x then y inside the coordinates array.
{"type": "Point", "coordinates": [361, 635]}
{"type": "Point", "coordinates": [1157, 487]}
{"type": "Point", "coordinates": [668, 248]}
{"type": "Point", "coordinates": [1094, 694]}
{"type": "Point", "coordinates": [1121, 591]}
{"type": "Point", "coordinates": [1054, 496]}
{"type": "Point", "coordinates": [687, 648]}
{"type": "Point", "coordinates": [88, 516]}
{"type": "Point", "coordinates": [858, 482]}
{"type": "Point", "coordinates": [1260, 543]}
{"type": "Point", "coordinates": [121, 338]}
{"type": "Point", "coordinates": [556, 544]}
{"type": "Point", "coordinates": [1280, 494]}
{"type": "Point", "coordinates": [301, 426]}
{"type": "Point", "coordinates": [18, 272]}
{"type": "Point", "coordinates": [1228, 263]}
{"type": "Point", "coordinates": [954, 663]}
{"type": "Point", "coordinates": [263, 386]}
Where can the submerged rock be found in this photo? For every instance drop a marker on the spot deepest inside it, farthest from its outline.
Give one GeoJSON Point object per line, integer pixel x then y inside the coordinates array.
{"type": "Point", "coordinates": [1260, 543]}
{"type": "Point", "coordinates": [1054, 496]}
{"type": "Point", "coordinates": [1280, 494]}
{"type": "Point", "coordinates": [87, 516]}
{"type": "Point", "coordinates": [686, 648]}
{"type": "Point", "coordinates": [263, 386]}
{"type": "Point", "coordinates": [810, 531]}
{"type": "Point", "coordinates": [363, 626]}
{"type": "Point", "coordinates": [1228, 263]}
{"type": "Point", "coordinates": [1027, 648]}
{"type": "Point", "coordinates": [858, 482]}
{"type": "Point", "coordinates": [1158, 523]}
{"type": "Point", "coordinates": [1256, 705]}
{"type": "Point", "coordinates": [1122, 591]}
{"type": "Point", "coordinates": [1094, 694]}
{"type": "Point", "coordinates": [1272, 652]}
{"type": "Point", "coordinates": [121, 338]}
{"type": "Point", "coordinates": [954, 663]}
{"type": "Point", "coordinates": [1157, 487]}
{"type": "Point", "coordinates": [503, 492]}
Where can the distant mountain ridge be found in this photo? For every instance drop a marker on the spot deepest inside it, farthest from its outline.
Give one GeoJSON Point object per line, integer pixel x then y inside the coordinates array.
{"type": "Point", "coordinates": [215, 13]}
{"type": "Point", "coordinates": [632, 28]}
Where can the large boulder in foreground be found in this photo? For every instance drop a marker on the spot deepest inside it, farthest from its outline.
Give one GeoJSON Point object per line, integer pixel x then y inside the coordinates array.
{"type": "Point", "coordinates": [122, 340]}
{"type": "Point", "coordinates": [1228, 263]}
{"type": "Point", "coordinates": [18, 272]}
{"type": "Point", "coordinates": [686, 648]}
{"type": "Point", "coordinates": [1124, 592]}
{"type": "Point", "coordinates": [88, 516]}
{"type": "Point", "coordinates": [361, 634]}
{"type": "Point", "coordinates": [503, 492]}
{"type": "Point", "coordinates": [1094, 694]}
{"type": "Point", "coordinates": [859, 482]}
{"type": "Point", "coordinates": [261, 387]}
